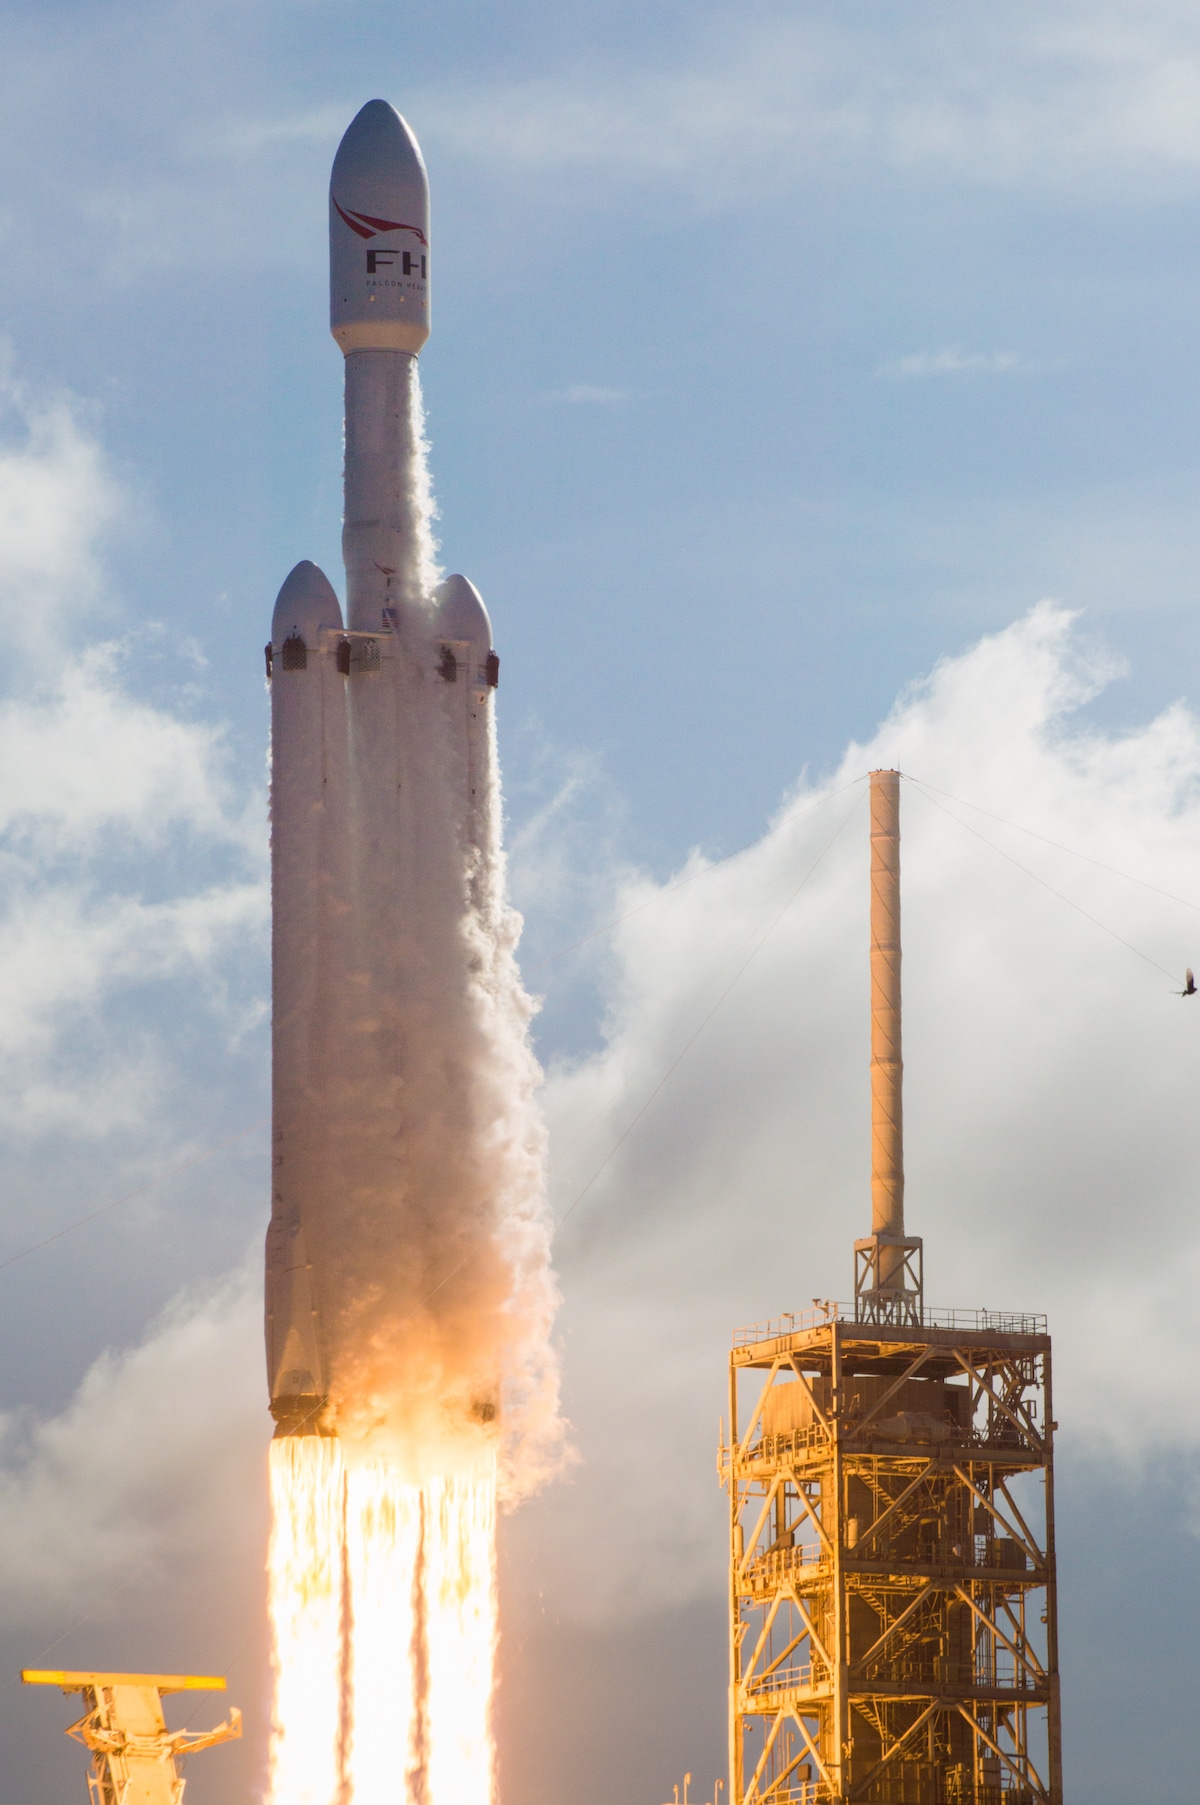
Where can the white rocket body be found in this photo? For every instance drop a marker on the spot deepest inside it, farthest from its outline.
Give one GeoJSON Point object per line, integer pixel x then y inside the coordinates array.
{"type": "Point", "coordinates": [382, 775]}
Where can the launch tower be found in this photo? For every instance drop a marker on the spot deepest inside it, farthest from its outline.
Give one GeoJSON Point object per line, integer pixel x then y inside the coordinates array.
{"type": "Point", "coordinates": [135, 1758]}
{"type": "Point", "coordinates": [893, 1632]}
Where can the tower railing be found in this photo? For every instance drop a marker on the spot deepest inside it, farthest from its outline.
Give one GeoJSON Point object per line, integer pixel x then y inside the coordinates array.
{"type": "Point", "coordinates": [801, 1322]}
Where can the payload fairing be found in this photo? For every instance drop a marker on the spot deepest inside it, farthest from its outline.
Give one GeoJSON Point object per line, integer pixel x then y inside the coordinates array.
{"type": "Point", "coordinates": [382, 778]}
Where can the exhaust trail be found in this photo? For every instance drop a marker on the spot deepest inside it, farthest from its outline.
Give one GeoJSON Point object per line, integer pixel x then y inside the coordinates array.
{"type": "Point", "coordinates": [406, 1132]}
{"type": "Point", "coordinates": [304, 1597]}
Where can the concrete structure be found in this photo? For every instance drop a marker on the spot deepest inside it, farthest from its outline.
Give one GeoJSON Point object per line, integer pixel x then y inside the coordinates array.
{"type": "Point", "coordinates": [893, 1632]}
{"type": "Point", "coordinates": [134, 1756]}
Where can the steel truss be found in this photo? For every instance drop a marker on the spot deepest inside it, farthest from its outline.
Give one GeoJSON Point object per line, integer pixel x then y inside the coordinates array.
{"type": "Point", "coordinates": [892, 1595]}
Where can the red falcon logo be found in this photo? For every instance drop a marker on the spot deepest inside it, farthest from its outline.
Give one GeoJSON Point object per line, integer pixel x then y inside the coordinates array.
{"type": "Point", "coordinates": [367, 226]}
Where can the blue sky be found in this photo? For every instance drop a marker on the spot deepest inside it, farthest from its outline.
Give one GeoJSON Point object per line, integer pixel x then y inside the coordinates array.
{"type": "Point", "coordinates": [779, 353]}
{"type": "Point", "coordinates": [892, 316]}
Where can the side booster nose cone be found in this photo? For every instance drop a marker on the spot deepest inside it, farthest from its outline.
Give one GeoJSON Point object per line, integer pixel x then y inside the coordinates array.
{"type": "Point", "coordinates": [379, 236]}
{"type": "Point", "coordinates": [464, 635]}
{"type": "Point", "coordinates": [306, 603]}
{"type": "Point", "coordinates": [469, 667]}
{"type": "Point", "coordinates": [461, 613]}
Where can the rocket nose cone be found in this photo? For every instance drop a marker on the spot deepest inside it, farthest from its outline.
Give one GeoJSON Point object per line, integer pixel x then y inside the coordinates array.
{"type": "Point", "coordinates": [379, 167]}
{"type": "Point", "coordinates": [460, 612]}
{"type": "Point", "coordinates": [379, 236]}
{"type": "Point", "coordinates": [306, 602]}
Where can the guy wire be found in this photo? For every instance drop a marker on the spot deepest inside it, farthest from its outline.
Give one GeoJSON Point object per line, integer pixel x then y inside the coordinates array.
{"type": "Point", "coordinates": [1046, 885]}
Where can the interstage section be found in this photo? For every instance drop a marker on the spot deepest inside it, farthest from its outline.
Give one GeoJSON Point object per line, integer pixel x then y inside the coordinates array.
{"type": "Point", "coordinates": [892, 1584]}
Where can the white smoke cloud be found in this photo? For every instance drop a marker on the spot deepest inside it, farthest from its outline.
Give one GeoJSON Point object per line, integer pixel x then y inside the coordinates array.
{"type": "Point", "coordinates": [157, 1460]}
{"type": "Point", "coordinates": [1049, 1071]}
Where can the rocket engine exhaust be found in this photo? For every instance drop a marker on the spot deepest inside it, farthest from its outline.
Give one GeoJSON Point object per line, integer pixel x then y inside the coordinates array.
{"type": "Point", "coordinates": [408, 1290]}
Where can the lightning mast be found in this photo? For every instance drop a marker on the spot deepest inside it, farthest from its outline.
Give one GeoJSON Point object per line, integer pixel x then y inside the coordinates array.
{"type": "Point", "coordinates": [893, 1618]}
{"type": "Point", "coordinates": [888, 1265]}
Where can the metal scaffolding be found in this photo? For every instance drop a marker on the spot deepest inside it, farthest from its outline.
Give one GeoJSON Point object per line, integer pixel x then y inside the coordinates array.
{"type": "Point", "coordinates": [134, 1755]}
{"type": "Point", "coordinates": [892, 1589]}
{"type": "Point", "coordinates": [893, 1631]}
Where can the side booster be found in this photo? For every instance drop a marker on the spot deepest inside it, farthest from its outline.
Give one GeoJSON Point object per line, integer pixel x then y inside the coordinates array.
{"type": "Point", "coordinates": [308, 788]}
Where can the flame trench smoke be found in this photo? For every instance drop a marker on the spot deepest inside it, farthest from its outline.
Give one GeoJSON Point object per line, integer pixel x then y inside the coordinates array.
{"type": "Point", "coordinates": [409, 1295]}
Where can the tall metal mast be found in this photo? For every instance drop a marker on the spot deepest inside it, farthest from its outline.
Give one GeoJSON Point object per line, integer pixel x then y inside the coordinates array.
{"type": "Point", "coordinates": [887, 1062]}
{"type": "Point", "coordinates": [888, 1264]}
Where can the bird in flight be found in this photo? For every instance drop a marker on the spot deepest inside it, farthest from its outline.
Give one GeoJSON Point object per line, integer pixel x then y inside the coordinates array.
{"type": "Point", "coordinates": [1189, 984]}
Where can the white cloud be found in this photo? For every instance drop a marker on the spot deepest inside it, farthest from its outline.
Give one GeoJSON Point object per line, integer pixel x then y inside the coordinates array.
{"type": "Point", "coordinates": [67, 950]}
{"type": "Point", "coordinates": [1048, 1092]}
{"type": "Point", "coordinates": [157, 1461]}
{"type": "Point", "coordinates": [80, 756]}
{"type": "Point", "coordinates": [58, 500]}
{"type": "Point", "coordinates": [93, 780]}
{"type": "Point", "coordinates": [950, 361]}
{"type": "Point", "coordinates": [589, 394]}
{"type": "Point", "coordinates": [1088, 95]}
{"type": "Point", "coordinates": [132, 870]}
{"type": "Point", "coordinates": [181, 157]}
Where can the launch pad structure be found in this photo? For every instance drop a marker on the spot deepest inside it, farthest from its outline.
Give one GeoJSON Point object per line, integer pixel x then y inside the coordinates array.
{"type": "Point", "coordinates": [892, 1596]}
{"type": "Point", "coordinates": [134, 1755]}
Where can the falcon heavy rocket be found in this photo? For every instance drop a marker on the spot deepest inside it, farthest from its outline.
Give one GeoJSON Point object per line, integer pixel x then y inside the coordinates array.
{"type": "Point", "coordinates": [381, 750]}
